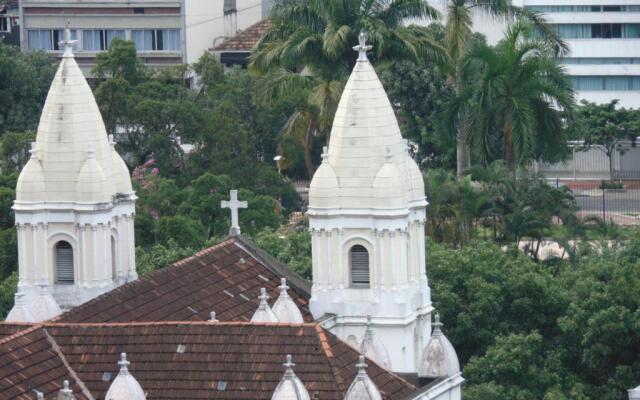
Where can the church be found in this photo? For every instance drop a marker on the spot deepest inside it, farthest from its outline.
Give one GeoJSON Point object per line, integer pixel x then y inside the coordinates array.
{"type": "Point", "coordinates": [229, 322]}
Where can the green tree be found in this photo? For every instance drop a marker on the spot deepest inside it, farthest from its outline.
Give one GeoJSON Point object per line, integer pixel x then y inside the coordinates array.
{"type": "Point", "coordinates": [24, 83]}
{"type": "Point", "coordinates": [458, 39]}
{"type": "Point", "coordinates": [419, 93]}
{"type": "Point", "coordinates": [520, 89]}
{"type": "Point", "coordinates": [317, 36]}
{"type": "Point", "coordinates": [606, 127]}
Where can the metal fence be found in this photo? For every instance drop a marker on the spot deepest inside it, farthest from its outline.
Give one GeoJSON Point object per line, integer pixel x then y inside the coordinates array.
{"type": "Point", "coordinates": [593, 163]}
{"type": "Point", "coordinates": [621, 206]}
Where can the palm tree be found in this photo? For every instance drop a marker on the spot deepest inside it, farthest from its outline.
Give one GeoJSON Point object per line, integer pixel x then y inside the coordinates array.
{"type": "Point", "coordinates": [315, 37]}
{"type": "Point", "coordinates": [458, 37]}
{"type": "Point", "coordinates": [521, 90]}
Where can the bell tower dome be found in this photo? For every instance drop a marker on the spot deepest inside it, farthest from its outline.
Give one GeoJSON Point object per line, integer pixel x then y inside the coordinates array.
{"type": "Point", "coordinates": [367, 215]}
{"type": "Point", "coordinates": [74, 203]}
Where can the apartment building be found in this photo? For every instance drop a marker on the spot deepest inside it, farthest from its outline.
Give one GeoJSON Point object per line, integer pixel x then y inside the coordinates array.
{"type": "Point", "coordinates": [604, 39]}
{"type": "Point", "coordinates": [9, 22]}
{"type": "Point", "coordinates": [165, 32]}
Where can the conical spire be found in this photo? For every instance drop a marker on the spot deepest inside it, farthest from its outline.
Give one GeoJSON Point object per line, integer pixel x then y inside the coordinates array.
{"type": "Point", "coordinates": [362, 387]}
{"type": "Point", "coordinates": [70, 122]}
{"type": "Point", "coordinates": [125, 386]}
{"type": "Point", "coordinates": [285, 308]}
{"type": "Point", "coordinates": [364, 130]}
{"type": "Point", "coordinates": [290, 387]}
{"type": "Point", "coordinates": [439, 358]}
{"type": "Point", "coordinates": [373, 348]}
{"type": "Point", "coordinates": [45, 307]}
{"type": "Point", "coordinates": [264, 313]}
{"type": "Point", "coordinates": [20, 311]}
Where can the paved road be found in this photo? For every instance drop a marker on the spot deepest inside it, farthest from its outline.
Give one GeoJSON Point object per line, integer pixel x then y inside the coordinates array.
{"type": "Point", "coordinates": [622, 202]}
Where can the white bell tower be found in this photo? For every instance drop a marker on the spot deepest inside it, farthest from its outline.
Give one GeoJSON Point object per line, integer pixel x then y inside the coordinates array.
{"type": "Point", "coordinates": [74, 203]}
{"type": "Point", "coordinates": [367, 215]}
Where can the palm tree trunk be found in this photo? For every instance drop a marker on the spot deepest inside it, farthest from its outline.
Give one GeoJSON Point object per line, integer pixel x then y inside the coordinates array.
{"type": "Point", "coordinates": [461, 155]}
{"type": "Point", "coordinates": [508, 147]}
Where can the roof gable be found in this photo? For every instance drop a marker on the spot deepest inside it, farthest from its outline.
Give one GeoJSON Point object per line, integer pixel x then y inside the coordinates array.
{"type": "Point", "coordinates": [225, 278]}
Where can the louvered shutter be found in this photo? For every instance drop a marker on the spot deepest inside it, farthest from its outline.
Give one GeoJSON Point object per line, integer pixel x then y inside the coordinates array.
{"type": "Point", "coordinates": [359, 258]}
{"type": "Point", "coordinates": [64, 263]}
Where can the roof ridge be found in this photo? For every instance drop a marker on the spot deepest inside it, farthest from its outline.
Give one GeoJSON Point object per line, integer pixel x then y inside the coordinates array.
{"type": "Point", "coordinates": [272, 264]}
{"type": "Point", "coordinates": [54, 324]}
{"type": "Point", "coordinates": [322, 333]}
{"type": "Point", "coordinates": [23, 332]}
{"type": "Point", "coordinates": [326, 348]}
{"type": "Point", "coordinates": [150, 275]}
{"type": "Point", "coordinates": [56, 348]}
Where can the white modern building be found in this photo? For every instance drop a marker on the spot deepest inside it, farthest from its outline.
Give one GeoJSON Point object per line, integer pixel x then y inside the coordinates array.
{"type": "Point", "coordinates": [604, 41]}
{"type": "Point", "coordinates": [165, 32]}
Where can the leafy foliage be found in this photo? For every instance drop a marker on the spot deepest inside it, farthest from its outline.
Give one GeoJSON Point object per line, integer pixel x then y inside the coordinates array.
{"type": "Point", "coordinates": [317, 36]}
{"type": "Point", "coordinates": [606, 127]}
{"type": "Point", "coordinates": [525, 331]}
{"type": "Point", "coordinates": [519, 99]}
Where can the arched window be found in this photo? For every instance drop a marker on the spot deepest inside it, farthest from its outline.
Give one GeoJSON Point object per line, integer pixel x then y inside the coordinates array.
{"type": "Point", "coordinates": [359, 263]}
{"type": "Point", "coordinates": [64, 262]}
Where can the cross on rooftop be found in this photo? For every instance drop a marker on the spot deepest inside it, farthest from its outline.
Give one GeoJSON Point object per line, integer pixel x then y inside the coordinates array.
{"type": "Point", "coordinates": [363, 47]}
{"type": "Point", "coordinates": [234, 205]}
{"type": "Point", "coordinates": [67, 43]}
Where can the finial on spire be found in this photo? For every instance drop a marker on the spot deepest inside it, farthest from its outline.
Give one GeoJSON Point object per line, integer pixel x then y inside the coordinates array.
{"type": "Point", "coordinates": [361, 365]}
{"type": "Point", "coordinates": [212, 317]}
{"type": "Point", "coordinates": [362, 47]}
{"type": "Point", "coordinates": [436, 323]}
{"type": "Point", "coordinates": [325, 154]}
{"type": "Point", "coordinates": [33, 150]}
{"type": "Point", "coordinates": [65, 393]}
{"type": "Point", "coordinates": [288, 365]}
{"type": "Point", "coordinates": [263, 297]}
{"type": "Point", "coordinates": [283, 287]}
{"type": "Point", "coordinates": [67, 43]}
{"type": "Point", "coordinates": [123, 363]}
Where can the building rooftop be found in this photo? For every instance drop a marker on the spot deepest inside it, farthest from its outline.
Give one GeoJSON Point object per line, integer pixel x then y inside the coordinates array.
{"type": "Point", "coordinates": [246, 39]}
{"type": "Point", "coordinates": [185, 360]}
{"type": "Point", "coordinates": [225, 278]}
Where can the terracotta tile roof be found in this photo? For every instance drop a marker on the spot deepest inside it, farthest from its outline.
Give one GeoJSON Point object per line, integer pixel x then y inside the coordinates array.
{"type": "Point", "coordinates": [225, 278]}
{"type": "Point", "coordinates": [11, 328]}
{"type": "Point", "coordinates": [230, 360]}
{"type": "Point", "coordinates": [29, 361]}
{"type": "Point", "coordinates": [246, 39]}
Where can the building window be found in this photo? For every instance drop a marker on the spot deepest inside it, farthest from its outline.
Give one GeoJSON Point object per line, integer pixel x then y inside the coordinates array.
{"type": "Point", "coordinates": [612, 8]}
{"type": "Point", "coordinates": [64, 262]}
{"type": "Point", "coordinates": [5, 26]}
{"type": "Point", "coordinates": [598, 31]}
{"type": "Point", "coordinates": [47, 39]}
{"type": "Point", "coordinates": [599, 83]}
{"type": "Point", "coordinates": [156, 40]}
{"type": "Point", "coordinates": [359, 264]}
{"type": "Point", "coordinates": [93, 40]}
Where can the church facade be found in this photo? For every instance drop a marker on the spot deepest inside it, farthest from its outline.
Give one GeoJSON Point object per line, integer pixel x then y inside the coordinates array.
{"type": "Point", "coordinates": [362, 329]}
